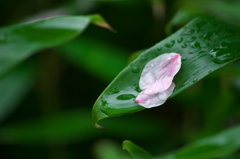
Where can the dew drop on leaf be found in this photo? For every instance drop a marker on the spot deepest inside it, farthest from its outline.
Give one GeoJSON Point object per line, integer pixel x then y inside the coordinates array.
{"type": "Point", "coordinates": [135, 69]}
{"type": "Point", "coordinates": [180, 40]}
{"type": "Point", "coordinates": [126, 97]}
{"type": "Point", "coordinates": [184, 46]}
{"type": "Point", "coordinates": [170, 44]}
{"type": "Point", "coordinates": [193, 38]}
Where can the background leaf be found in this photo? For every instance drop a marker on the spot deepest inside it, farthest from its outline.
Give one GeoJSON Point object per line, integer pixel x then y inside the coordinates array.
{"type": "Point", "coordinates": [204, 44]}
{"type": "Point", "coordinates": [107, 149]}
{"type": "Point", "coordinates": [95, 57]}
{"type": "Point", "coordinates": [215, 146]}
{"type": "Point", "coordinates": [14, 86]}
{"type": "Point", "coordinates": [18, 42]}
{"type": "Point", "coordinates": [136, 151]}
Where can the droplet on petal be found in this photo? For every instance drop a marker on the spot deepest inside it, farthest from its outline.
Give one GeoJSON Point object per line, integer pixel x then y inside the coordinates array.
{"type": "Point", "coordinates": [156, 80]}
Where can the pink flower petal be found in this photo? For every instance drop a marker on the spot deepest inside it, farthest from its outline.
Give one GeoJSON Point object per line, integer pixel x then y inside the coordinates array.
{"type": "Point", "coordinates": [154, 100]}
{"type": "Point", "coordinates": [156, 79]}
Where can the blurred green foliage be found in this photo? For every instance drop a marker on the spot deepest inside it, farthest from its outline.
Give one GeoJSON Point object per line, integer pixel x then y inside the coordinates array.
{"type": "Point", "coordinates": [47, 93]}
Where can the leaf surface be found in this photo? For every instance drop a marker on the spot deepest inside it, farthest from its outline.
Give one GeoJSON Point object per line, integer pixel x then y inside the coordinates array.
{"type": "Point", "coordinates": [215, 146]}
{"type": "Point", "coordinates": [18, 42]}
{"type": "Point", "coordinates": [14, 86]}
{"type": "Point", "coordinates": [204, 44]}
{"type": "Point", "coordinates": [136, 151]}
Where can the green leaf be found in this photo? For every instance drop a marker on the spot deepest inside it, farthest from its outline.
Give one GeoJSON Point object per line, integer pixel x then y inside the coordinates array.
{"type": "Point", "coordinates": [18, 42]}
{"type": "Point", "coordinates": [181, 18]}
{"type": "Point", "coordinates": [97, 60]}
{"type": "Point", "coordinates": [107, 149]}
{"type": "Point", "coordinates": [65, 127]}
{"type": "Point", "coordinates": [215, 146]}
{"type": "Point", "coordinates": [13, 87]}
{"type": "Point", "coordinates": [136, 151]}
{"type": "Point", "coordinates": [226, 11]}
{"type": "Point", "coordinates": [204, 44]}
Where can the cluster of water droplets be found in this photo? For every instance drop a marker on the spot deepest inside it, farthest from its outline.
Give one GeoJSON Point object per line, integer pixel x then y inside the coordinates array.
{"type": "Point", "coordinates": [222, 53]}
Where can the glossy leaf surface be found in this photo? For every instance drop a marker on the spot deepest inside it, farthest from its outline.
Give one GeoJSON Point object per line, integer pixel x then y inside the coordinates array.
{"type": "Point", "coordinates": [18, 42]}
{"type": "Point", "coordinates": [215, 146]}
{"type": "Point", "coordinates": [204, 45]}
{"type": "Point", "coordinates": [136, 151]}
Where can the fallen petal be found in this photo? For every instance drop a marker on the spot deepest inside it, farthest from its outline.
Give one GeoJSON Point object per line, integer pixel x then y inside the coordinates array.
{"type": "Point", "coordinates": [159, 72]}
{"type": "Point", "coordinates": [149, 101]}
{"type": "Point", "coordinates": [156, 80]}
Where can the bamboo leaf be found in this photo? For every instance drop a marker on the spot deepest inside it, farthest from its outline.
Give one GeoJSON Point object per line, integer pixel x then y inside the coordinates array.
{"type": "Point", "coordinates": [204, 44]}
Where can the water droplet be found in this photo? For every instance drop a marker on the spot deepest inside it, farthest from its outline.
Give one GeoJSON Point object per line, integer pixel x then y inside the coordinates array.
{"type": "Point", "coordinates": [126, 97]}
{"type": "Point", "coordinates": [189, 32]}
{"type": "Point", "coordinates": [184, 46]}
{"type": "Point", "coordinates": [195, 80]}
{"type": "Point", "coordinates": [193, 38]}
{"type": "Point", "coordinates": [184, 59]}
{"type": "Point", "coordinates": [180, 40]}
{"type": "Point", "coordinates": [208, 35]}
{"type": "Point", "coordinates": [138, 89]}
{"type": "Point", "coordinates": [170, 44]}
{"type": "Point", "coordinates": [218, 57]}
{"type": "Point", "coordinates": [104, 103]}
{"type": "Point", "coordinates": [210, 71]}
{"type": "Point", "coordinates": [135, 69]}
{"type": "Point", "coordinates": [196, 45]}
{"type": "Point", "coordinates": [205, 45]}
{"type": "Point", "coordinates": [223, 45]}
{"type": "Point", "coordinates": [114, 91]}
{"type": "Point", "coordinates": [222, 54]}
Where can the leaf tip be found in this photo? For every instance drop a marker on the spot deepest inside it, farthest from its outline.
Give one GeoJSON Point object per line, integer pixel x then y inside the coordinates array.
{"type": "Point", "coordinates": [100, 21]}
{"type": "Point", "coordinates": [99, 126]}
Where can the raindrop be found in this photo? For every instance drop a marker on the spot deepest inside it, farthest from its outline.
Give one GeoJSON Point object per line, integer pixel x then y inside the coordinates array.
{"type": "Point", "coordinates": [184, 59]}
{"type": "Point", "coordinates": [223, 45]}
{"type": "Point", "coordinates": [135, 69]}
{"type": "Point", "coordinates": [170, 44]}
{"type": "Point", "coordinates": [196, 45]}
{"type": "Point", "coordinates": [184, 46]}
{"type": "Point", "coordinates": [206, 45]}
{"type": "Point", "coordinates": [208, 35]}
{"type": "Point", "coordinates": [126, 97]}
{"type": "Point", "coordinates": [189, 32]}
{"type": "Point", "coordinates": [210, 71]}
{"type": "Point", "coordinates": [180, 40]}
{"type": "Point", "coordinates": [220, 57]}
{"type": "Point", "coordinates": [114, 91]}
{"type": "Point", "coordinates": [193, 38]}
{"type": "Point", "coordinates": [194, 81]}
{"type": "Point", "coordinates": [138, 89]}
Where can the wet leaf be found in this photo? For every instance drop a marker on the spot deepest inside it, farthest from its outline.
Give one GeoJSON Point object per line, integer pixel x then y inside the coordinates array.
{"type": "Point", "coordinates": [204, 45]}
